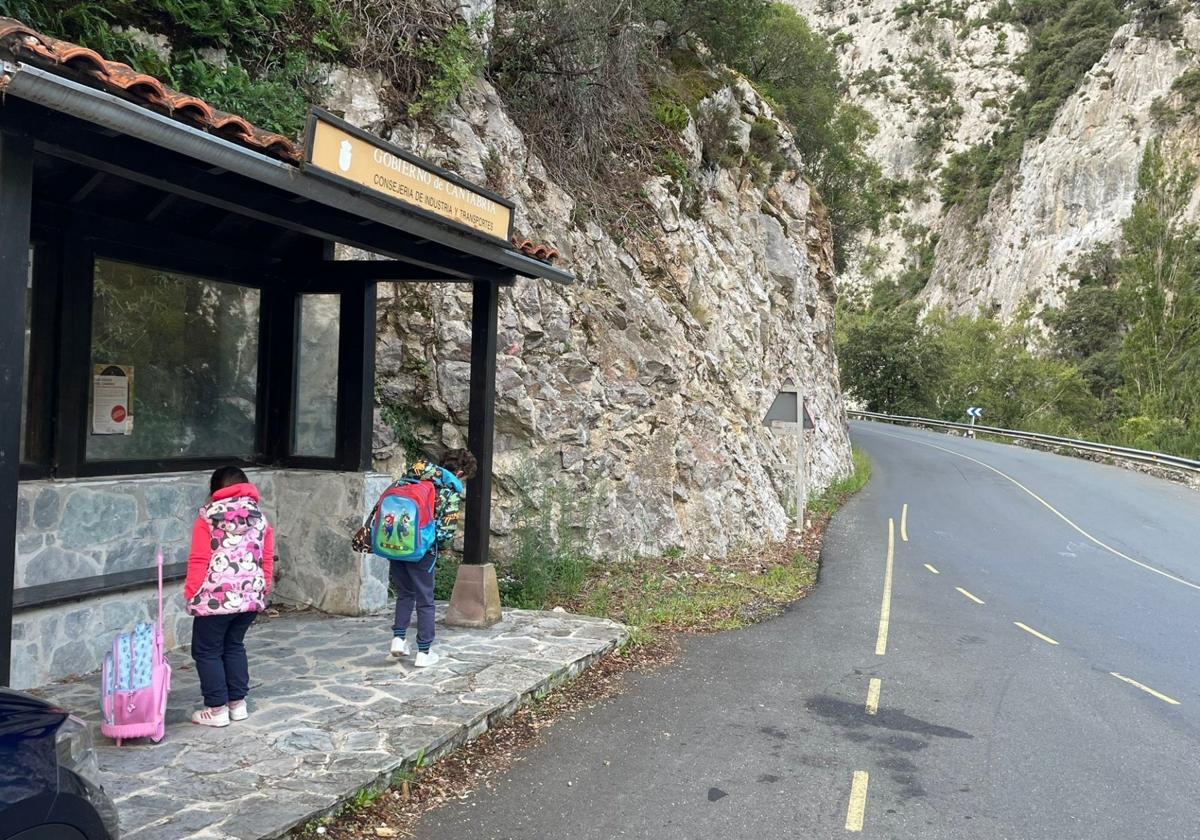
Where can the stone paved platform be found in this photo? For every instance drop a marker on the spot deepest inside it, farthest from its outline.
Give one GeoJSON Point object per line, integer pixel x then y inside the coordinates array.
{"type": "Point", "coordinates": [331, 713]}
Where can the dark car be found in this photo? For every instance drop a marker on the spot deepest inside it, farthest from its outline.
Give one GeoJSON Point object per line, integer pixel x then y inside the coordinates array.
{"type": "Point", "coordinates": [49, 779]}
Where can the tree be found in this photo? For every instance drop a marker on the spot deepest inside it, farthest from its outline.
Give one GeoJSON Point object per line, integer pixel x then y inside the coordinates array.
{"type": "Point", "coordinates": [992, 365]}
{"type": "Point", "coordinates": [1087, 331]}
{"type": "Point", "coordinates": [891, 362]}
{"type": "Point", "coordinates": [1159, 279]}
{"type": "Point", "coordinates": [727, 27]}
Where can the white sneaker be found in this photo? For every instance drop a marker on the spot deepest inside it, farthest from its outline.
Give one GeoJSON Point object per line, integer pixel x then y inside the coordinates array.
{"type": "Point", "coordinates": [424, 660]}
{"type": "Point", "coordinates": [211, 717]}
{"type": "Point", "coordinates": [238, 710]}
{"type": "Point", "coordinates": [400, 647]}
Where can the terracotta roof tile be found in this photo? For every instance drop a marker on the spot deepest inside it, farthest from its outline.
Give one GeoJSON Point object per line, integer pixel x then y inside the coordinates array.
{"type": "Point", "coordinates": [88, 65]}
{"type": "Point", "coordinates": [529, 248]}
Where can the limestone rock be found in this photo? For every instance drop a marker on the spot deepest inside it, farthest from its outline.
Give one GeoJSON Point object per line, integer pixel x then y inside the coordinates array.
{"type": "Point", "coordinates": [357, 96]}
{"type": "Point", "coordinates": [1072, 189]}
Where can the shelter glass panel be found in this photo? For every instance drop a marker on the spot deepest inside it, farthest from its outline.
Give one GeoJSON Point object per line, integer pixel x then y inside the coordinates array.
{"type": "Point", "coordinates": [315, 431]}
{"type": "Point", "coordinates": [174, 365]}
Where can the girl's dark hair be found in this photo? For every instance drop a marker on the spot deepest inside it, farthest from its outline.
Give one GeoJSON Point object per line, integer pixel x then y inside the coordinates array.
{"type": "Point", "coordinates": [460, 461]}
{"type": "Point", "coordinates": [226, 477]}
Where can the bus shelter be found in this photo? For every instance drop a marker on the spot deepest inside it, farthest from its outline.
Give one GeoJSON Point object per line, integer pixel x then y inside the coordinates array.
{"type": "Point", "coordinates": [172, 304]}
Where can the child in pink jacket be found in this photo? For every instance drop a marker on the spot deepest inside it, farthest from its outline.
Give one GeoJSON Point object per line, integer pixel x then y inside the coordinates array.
{"type": "Point", "coordinates": [229, 577]}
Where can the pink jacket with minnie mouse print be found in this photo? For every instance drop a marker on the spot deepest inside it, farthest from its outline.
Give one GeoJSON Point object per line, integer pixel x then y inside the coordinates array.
{"type": "Point", "coordinates": [232, 558]}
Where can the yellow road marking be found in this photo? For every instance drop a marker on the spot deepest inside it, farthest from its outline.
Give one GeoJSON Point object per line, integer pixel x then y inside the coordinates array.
{"type": "Point", "coordinates": [858, 801]}
{"type": "Point", "coordinates": [1029, 629]}
{"type": "Point", "coordinates": [873, 695]}
{"type": "Point", "coordinates": [885, 611]}
{"type": "Point", "coordinates": [969, 595]}
{"type": "Point", "coordinates": [904, 523]}
{"type": "Point", "coordinates": [1146, 689]}
{"type": "Point", "coordinates": [1053, 510]}
{"type": "Point", "coordinates": [930, 568]}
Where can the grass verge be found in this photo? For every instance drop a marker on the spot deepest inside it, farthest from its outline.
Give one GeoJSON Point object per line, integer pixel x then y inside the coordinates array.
{"type": "Point", "coordinates": [696, 593]}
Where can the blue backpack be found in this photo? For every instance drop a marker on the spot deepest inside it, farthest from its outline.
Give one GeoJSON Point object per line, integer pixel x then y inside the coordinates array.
{"type": "Point", "coordinates": [404, 527]}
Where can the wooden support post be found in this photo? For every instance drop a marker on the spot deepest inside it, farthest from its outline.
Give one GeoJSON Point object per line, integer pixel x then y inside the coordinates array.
{"type": "Point", "coordinates": [356, 378]}
{"type": "Point", "coordinates": [475, 601]}
{"type": "Point", "coordinates": [482, 421]}
{"type": "Point", "coordinates": [16, 194]}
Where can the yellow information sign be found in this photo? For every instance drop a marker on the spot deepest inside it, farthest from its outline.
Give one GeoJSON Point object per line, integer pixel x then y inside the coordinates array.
{"type": "Point", "coordinates": [353, 155]}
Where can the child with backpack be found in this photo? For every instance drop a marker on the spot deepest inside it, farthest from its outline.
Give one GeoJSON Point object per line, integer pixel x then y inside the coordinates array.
{"type": "Point", "coordinates": [229, 576]}
{"type": "Point", "coordinates": [398, 529]}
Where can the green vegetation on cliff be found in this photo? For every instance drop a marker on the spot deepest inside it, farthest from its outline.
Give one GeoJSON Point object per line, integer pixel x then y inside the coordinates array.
{"type": "Point", "coordinates": [604, 90]}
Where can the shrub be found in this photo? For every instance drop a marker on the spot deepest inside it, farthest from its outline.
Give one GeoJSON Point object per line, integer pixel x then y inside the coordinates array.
{"type": "Point", "coordinates": [553, 541]}
{"type": "Point", "coordinates": [571, 73]}
{"type": "Point", "coordinates": [454, 60]}
{"type": "Point", "coordinates": [669, 111]}
{"type": "Point", "coordinates": [673, 165]}
{"type": "Point", "coordinates": [1162, 19]}
{"type": "Point", "coordinates": [765, 146]}
{"type": "Point", "coordinates": [1187, 86]}
{"type": "Point", "coordinates": [714, 124]}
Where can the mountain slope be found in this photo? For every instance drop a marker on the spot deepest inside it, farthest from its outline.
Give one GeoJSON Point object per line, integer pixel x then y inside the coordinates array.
{"type": "Point", "coordinates": [945, 77]}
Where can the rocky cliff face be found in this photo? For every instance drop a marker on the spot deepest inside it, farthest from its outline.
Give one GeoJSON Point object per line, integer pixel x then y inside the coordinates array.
{"type": "Point", "coordinates": [934, 86]}
{"type": "Point", "coordinates": [1071, 189]}
{"type": "Point", "coordinates": [643, 386]}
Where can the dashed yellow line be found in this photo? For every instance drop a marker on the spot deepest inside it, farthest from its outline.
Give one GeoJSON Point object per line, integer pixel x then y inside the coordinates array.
{"type": "Point", "coordinates": [1053, 510]}
{"type": "Point", "coordinates": [969, 595]}
{"type": "Point", "coordinates": [873, 695]}
{"type": "Point", "coordinates": [904, 523]}
{"type": "Point", "coordinates": [1033, 632]}
{"type": "Point", "coordinates": [1146, 689]}
{"type": "Point", "coordinates": [857, 810]}
{"type": "Point", "coordinates": [885, 610]}
{"type": "Point", "coordinates": [930, 568]}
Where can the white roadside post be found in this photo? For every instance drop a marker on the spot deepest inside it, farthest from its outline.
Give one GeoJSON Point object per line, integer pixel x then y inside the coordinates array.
{"type": "Point", "coordinates": [788, 411]}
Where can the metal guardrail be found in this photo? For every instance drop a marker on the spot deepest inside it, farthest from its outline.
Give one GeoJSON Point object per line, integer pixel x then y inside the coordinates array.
{"type": "Point", "coordinates": [1140, 455]}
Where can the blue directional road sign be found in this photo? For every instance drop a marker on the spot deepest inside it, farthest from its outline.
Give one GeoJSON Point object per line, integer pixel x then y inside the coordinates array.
{"type": "Point", "coordinates": [975, 412]}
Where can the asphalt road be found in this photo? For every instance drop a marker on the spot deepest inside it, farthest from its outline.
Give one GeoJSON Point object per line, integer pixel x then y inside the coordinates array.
{"type": "Point", "coordinates": [982, 730]}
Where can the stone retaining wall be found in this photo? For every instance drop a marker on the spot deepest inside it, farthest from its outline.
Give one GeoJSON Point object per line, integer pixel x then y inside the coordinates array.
{"type": "Point", "coordinates": [78, 528]}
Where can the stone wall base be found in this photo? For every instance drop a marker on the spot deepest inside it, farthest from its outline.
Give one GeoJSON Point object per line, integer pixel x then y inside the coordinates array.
{"type": "Point", "coordinates": [81, 528]}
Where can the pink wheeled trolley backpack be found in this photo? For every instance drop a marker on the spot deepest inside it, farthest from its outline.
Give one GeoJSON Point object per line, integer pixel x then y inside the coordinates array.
{"type": "Point", "coordinates": [136, 680]}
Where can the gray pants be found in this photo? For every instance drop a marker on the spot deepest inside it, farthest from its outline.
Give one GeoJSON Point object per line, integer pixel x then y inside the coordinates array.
{"type": "Point", "coordinates": [413, 583]}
